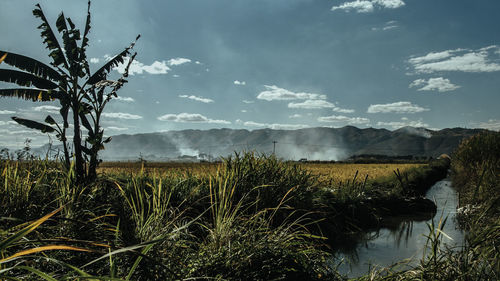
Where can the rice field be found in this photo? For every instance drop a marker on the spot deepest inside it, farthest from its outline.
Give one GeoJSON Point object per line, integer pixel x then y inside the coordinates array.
{"type": "Point", "coordinates": [337, 173]}
{"type": "Point", "coordinates": [331, 173]}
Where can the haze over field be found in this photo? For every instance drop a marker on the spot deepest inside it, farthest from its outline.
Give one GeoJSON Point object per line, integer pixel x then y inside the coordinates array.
{"type": "Point", "coordinates": [278, 64]}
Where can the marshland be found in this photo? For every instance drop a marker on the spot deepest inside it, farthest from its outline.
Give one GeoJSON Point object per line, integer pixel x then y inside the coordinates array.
{"type": "Point", "coordinates": [251, 215]}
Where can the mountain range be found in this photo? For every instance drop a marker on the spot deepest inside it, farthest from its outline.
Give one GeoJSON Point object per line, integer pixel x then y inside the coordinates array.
{"type": "Point", "coordinates": [320, 143]}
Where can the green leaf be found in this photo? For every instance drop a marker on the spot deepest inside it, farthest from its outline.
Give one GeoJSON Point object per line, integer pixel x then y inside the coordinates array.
{"type": "Point", "coordinates": [86, 123]}
{"type": "Point", "coordinates": [86, 150]}
{"type": "Point", "coordinates": [50, 39]}
{"type": "Point", "coordinates": [50, 120]}
{"type": "Point", "coordinates": [25, 79]}
{"type": "Point", "coordinates": [69, 40]}
{"type": "Point", "coordinates": [23, 232]}
{"type": "Point", "coordinates": [103, 72]}
{"type": "Point", "coordinates": [31, 65]}
{"type": "Point", "coordinates": [34, 125]}
{"type": "Point", "coordinates": [85, 42]}
{"type": "Point", "coordinates": [107, 140]}
{"type": "Point", "coordinates": [31, 94]}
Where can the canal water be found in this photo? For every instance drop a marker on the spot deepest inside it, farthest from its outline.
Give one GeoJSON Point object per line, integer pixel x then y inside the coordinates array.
{"type": "Point", "coordinates": [385, 247]}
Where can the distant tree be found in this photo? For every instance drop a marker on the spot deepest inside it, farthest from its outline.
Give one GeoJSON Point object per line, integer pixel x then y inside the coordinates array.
{"type": "Point", "coordinates": [68, 80]}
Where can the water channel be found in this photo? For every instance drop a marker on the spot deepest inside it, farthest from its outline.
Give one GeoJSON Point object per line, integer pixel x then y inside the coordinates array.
{"type": "Point", "coordinates": [385, 247]}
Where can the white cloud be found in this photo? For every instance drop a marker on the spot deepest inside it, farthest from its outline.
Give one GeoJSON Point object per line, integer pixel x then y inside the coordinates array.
{"type": "Point", "coordinates": [403, 123]}
{"type": "Point", "coordinates": [342, 110]}
{"type": "Point", "coordinates": [272, 126]}
{"type": "Point", "coordinates": [492, 124]}
{"type": "Point", "coordinates": [178, 61]}
{"type": "Point", "coordinates": [481, 60]}
{"type": "Point", "coordinates": [112, 128]}
{"type": "Point", "coordinates": [137, 67]}
{"type": "Point", "coordinates": [295, 116]}
{"type": "Point", "coordinates": [121, 115]}
{"type": "Point", "coordinates": [244, 111]}
{"type": "Point", "coordinates": [47, 108]}
{"type": "Point", "coordinates": [439, 83]}
{"type": "Point", "coordinates": [389, 4]}
{"type": "Point", "coordinates": [397, 107]}
{"type": "Point", "coordinates": [197, 62]}
{"type": "Point", "coordinates": [200, 99]}
{"type": "Point", "coordinates": [432, 57]}
{"type": "Point", "coordinates": [248, 101]}
{"type": "Point", "coordinates": [176, 76]}
{"type": "Point", "coordinates": [365, 6]}
{"type": "Point", "coordinates": [7, 112]}
{"type": "Point", "coordinates": [311, 104]}
{"type": "Point", "coordinates": [318, 104]}
{"type": "Point", "coordinates": [345, 119]}
{"type": "Point", "coordinates": [241, 83]}
{"type": "Point", "coordinates": [125, 99]}
{"type": "Point", "coordinates": [358, 6]}
{"type": "Point", "coordinates": [276, 93]}
{"type": "Point", "coordinates": [94, 60]}
{"type": "Point", "coordinates": [387, 26]}
{"type": "Point", "coordinates": [190, 118]}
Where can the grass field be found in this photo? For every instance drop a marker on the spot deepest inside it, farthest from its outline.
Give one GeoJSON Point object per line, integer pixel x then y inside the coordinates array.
{"type": "Point", "coordinates": [248, 218]}
{"type": "Point", "coordinates": [328, 173]}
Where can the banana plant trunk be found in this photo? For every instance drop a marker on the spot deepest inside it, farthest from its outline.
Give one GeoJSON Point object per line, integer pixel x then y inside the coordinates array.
{"type": "Point", "coordinates": [77, 142]}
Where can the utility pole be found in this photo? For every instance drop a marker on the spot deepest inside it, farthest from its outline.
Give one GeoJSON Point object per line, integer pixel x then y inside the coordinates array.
{"type": "Point", "coordinates": [274, 147]}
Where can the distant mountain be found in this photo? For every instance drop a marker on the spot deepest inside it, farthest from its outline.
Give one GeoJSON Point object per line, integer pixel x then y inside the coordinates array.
{"type": "Point", "coordinates": [311, 143]}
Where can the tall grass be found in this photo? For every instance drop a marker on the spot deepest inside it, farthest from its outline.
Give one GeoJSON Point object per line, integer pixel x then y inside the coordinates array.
{"type": "Point", "coordinates": [253, 218]}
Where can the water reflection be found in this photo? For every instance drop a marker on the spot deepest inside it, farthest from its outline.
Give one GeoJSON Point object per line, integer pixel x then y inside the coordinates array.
{"type": "Point", "coordinates": [404, 237]}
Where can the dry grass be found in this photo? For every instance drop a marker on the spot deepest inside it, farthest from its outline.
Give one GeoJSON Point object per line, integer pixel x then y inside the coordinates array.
{"type": "Point", "coordinates": [340, 172]}
{"type": "Point", "coordinates": [328, 172]}
{"type": "Point", "coordinates": [159, 168]}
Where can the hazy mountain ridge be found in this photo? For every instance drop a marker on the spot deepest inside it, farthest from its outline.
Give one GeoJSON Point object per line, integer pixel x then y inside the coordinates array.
{"type": "Point", "coordinates": [312, 143]}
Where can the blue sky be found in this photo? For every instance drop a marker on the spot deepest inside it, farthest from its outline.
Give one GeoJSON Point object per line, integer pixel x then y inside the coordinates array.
{"type": "Point", "coordinates": [282, 64]}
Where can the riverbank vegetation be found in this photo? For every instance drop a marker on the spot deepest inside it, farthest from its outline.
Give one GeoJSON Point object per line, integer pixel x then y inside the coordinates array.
{"type": "Point", "coordinates": [475, 173]}
{"type": "Point", "coordinates": [256, 217]}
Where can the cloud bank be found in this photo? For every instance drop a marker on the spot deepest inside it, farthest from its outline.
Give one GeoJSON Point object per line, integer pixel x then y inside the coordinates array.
{"type": "Point", "coordinates": [190, 118]}
{"type": "Point", "coordinates": [196, 98]}
{"type": "Point", "coordinates": [272, 126]}
{"type": "Point", "coordinates": [121, 115]}
{"type": "Point", "coordinates": [178, 61]}
{"type": "Point", "coordinates": [404, 122]}
{"type": "Point", "coordinates": [365, 6]}
{"type": "Point", "coordinates": [138, 67]}
{"type": "Point", "coordinates": [397, 107]}
{"type": "Point", "coordinates": [461, 60]}
{"type": "Point", "coordinates": [275, 93]}
{"type": "Point", "coordinates": [344, 119]}
{"type": "Point", "coordinates": [439, 84]}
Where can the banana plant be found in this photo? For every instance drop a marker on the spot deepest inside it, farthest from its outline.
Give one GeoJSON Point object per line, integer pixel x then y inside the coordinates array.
{"type": "Point", "coordinates": [70, 81]}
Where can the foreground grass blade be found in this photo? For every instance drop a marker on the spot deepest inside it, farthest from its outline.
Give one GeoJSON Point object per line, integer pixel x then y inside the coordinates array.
{"type": "Point", "coordinates": [42, 249]}
{"type": "Point", "coordinates": [23, 232]}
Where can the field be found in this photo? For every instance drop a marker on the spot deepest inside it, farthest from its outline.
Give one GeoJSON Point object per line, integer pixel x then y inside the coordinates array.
{"type": "Point", "coordinates": [248, 218]}
{"type": "Point", "coordinates": [328, 173]}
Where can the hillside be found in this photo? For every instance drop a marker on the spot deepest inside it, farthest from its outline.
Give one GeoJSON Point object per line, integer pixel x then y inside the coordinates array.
{"type": "Point", "coordinates": [311, 143]}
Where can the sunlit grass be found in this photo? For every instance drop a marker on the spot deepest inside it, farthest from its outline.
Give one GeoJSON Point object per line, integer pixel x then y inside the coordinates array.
{"type": "Point", "coordinates": [328, 173]}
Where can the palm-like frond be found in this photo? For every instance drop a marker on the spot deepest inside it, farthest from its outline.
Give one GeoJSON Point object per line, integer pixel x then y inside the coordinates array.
{"type": "Point", "coordinates": [70, 36]}
{"type": "Point", "coordinates": [30, 65]}
{"type": "Point", "coordinates": [25, 79]}
{"type": "Point", "coordinates": [85, 42]}
{"type": "Point", "coordinates": [50, 39]}
{"type": "Point", "coordinates": [31, 94]}
{"type": "Point", "coordinates": [34, 125]}
{"type": "Point", "coordinates": [102, 73]}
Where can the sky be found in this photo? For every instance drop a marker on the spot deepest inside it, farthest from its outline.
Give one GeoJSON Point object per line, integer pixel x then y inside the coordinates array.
{"type": "Point", "coordinates": [280, 64]}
